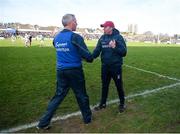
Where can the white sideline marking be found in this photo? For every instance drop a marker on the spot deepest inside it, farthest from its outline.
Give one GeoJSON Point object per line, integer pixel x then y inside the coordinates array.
{"type": "Point", "coordinates": [157, 74]}
{"type": "Point", "coordinates": [146, 92]}
{"type": "Point", "coordinates": [30, 125]}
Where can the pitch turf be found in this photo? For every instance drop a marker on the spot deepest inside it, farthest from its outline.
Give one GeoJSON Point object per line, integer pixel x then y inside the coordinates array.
{"type": "Point", "coordinates": [27, 82]}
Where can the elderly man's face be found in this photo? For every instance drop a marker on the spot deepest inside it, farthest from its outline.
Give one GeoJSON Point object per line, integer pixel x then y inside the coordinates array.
{"type": "Point", "coordinates": [74, 25]}
{"type": "Point", "coordinates": [108, 30]}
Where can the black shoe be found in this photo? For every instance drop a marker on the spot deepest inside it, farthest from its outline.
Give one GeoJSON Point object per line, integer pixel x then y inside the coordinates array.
{"type": "Point", "coordinates": [87, 122]}
{"type": "Point", "coordinates": [100, 107]}
{"type": "Point", "coordinates": [43, 128]}
{"type": "Point", "coordinates": [122, 108]}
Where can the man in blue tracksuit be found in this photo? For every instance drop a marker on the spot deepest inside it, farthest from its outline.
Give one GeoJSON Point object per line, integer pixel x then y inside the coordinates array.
{"type": "Point", "coordinates": [70, 49]}
{"type": "Point", "coordinates": [112, 48]}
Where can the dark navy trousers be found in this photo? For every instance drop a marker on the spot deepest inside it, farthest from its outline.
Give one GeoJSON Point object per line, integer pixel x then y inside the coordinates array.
{"type": "Point", "coordinates": [114, 72]}
{"type": "Point", "coordinates": [68, 78]}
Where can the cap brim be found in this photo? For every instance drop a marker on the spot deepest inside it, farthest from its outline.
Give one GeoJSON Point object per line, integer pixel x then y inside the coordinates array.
{"type": "Point", "coordinates": [101, 25]}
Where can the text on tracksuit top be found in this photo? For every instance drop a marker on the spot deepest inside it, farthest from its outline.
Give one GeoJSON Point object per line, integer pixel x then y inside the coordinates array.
{"type": "Point", "coordinates": [69, 55]}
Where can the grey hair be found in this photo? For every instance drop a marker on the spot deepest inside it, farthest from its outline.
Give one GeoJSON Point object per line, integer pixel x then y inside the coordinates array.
{"type": "Point", "coordinates": [67, 18]}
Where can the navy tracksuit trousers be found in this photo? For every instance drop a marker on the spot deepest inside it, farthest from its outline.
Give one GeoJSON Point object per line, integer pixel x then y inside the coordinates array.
{"type": "Point", "coordinates": [115, 72]}
{"type": "Point", "coordinates": [67, 78]}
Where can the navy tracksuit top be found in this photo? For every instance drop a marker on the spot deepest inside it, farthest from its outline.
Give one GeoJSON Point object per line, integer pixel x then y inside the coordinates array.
{"type": "Point", "coordinates": [111, 56]}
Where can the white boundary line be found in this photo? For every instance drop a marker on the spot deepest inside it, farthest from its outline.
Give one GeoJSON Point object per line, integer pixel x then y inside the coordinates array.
{"type": "Point", "coordinates": [146, 92]}
{"type": "Point", "coordinates": [30, 125]}
{"type": "Point", "coordinates": [150, 72]}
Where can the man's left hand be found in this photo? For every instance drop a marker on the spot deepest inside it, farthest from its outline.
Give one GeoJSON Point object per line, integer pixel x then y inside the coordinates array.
{"type": "Point", "coordinates": [112, 43]}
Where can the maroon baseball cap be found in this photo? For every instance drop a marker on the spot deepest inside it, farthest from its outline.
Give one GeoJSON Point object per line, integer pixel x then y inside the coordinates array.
{"type": "Point", "coordinates": [108, 23]}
